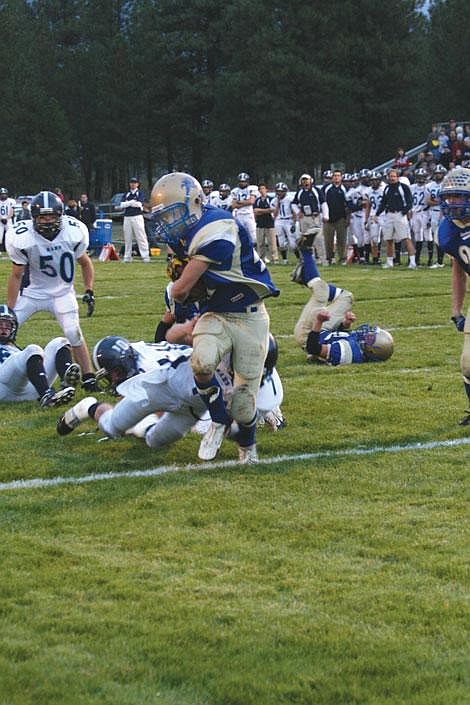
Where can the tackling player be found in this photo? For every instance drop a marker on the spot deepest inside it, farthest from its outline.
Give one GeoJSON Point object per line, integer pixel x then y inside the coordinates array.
{"type": "Point", "coordinates": [234, 318]}
{"type": "Point", "coordinates": [50, 244]}
{"type": "Point", "coordinates": [454, 238]}
{"type": "Point", "coordinates": [157, 377]}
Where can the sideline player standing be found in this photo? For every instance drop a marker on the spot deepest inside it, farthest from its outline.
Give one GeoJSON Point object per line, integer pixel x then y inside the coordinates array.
{"type": "Point", "coordinates": [50, 244]}
{"type": "Point", "coordinates": [243, 199]}
{"type": "Point", "coordinates": [234, 318]}
{"type": "Point", "coordinates": [454, 238]}
{"type": "Point", "coordinates": [6, 215]}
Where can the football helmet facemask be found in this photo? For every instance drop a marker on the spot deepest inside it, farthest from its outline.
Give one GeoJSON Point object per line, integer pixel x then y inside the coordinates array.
{"type": "Point", "coordinates": [224, 190]}
{"type": "Point", "coordinates": [3, 194]}
{"type": "Point", "coordinates": [455, 195]}
{"type": "Point", "coordinates": [8, 324]}
{"type": "Point", "coordinates": [376, 343]}
{"type": "Point", "coordinates": [115, 361]}
{"type": "Point", "coordinates": [176, 203]}
{"type": "Point", "coordinates": [47, 203]}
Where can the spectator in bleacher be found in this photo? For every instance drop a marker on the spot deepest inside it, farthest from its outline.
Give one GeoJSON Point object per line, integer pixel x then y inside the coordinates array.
{"type": "Point", "coordinates": [421, 162]}
{"type": "Point", "coordinates": [444, 147]}
{"type": "Point", "coordinates": [402, 160]}
{"type": "Point", "coordinates": [432, 141]}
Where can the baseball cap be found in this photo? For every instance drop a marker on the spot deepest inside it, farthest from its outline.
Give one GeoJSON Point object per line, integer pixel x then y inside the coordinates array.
{"type": "Point", "coordinates": [134, 178]}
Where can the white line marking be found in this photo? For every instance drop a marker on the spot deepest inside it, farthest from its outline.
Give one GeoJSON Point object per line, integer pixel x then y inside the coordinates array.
{"type": "Point", "coordinates": [165, 469]}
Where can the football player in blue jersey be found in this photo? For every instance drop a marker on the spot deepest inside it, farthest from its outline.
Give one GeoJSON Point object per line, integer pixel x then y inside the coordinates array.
{"type": "Point", "coordinates": [177, 323]}
{"type": "Point", "coordinates": [233, 319]}
{"type": "Point", "coordinates": [454, 238]}
{"type": "Point", "coordinates": [323, 328]}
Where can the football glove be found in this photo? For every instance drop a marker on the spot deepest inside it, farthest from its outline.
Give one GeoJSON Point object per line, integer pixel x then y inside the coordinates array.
{"type": "Point", "coordinates": [459, 322]}
{"type": "Point", "coordinates": [89, 300]}
{"type": "Point", "coordinates": [292, 228]}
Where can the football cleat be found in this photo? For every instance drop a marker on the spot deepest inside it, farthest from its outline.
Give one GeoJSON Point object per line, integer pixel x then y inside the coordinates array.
{"type": "Point", "coordinates": [52, 398]}
{"type": "Point", "coordinates": [74, 416]}
{"type": "Point", "coordinates": [297, 275]}
{"type": "Point", "coordinates": [72, 375]}
{"type": "Point", "coordinates": [466, 420]}
{"type": "Point", "coordinates": [247, 456]}
{"type": "Point", "coordinates": [211, 441]}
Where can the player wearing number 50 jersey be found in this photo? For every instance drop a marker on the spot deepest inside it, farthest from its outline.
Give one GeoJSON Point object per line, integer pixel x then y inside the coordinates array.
{"type": "Point", "coordinates": [49, 245]}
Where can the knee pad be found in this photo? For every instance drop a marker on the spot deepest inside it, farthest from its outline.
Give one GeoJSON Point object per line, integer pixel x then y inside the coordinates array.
{"type": "Point", "coordinates": [74, 336]}
{"type": "Point", "coordinates": [243, 404]}
{"type": "Point", "coordinates": [33, 349]}
{"type": "Point", "coordinates": [205, 356]}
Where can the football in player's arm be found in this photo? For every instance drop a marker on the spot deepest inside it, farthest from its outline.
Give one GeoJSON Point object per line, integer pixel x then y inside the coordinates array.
{"type": "Point", "coordinates": [454, 238]}
{"type": "Point", "coordinates": [49, 245]}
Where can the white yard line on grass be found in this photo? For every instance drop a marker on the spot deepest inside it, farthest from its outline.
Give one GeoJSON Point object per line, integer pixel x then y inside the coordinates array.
{"type": "Point", "coordinates": [165, 469]}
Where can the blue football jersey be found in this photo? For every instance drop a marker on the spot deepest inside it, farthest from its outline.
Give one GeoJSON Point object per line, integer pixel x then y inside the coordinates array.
{"type": "Point", "coordinates": [343, 348]}
{"type": "Point", "coordinates": [236, 277]}
{"type": "Point", "coordinates": [456, 242]}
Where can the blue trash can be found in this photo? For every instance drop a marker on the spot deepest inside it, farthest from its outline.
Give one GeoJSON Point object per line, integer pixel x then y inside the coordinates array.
{"type": "Point", "coordinates": [101, 234]}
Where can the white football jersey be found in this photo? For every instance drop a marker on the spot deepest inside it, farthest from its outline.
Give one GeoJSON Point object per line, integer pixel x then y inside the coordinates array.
{"type": "Point", "coordinates": [375, 198]}
{"type": "Point", "coordinates": [241, 194]}
{"type": "Point", "coordinates": [285, 206]}
{"type": "Point", "coordinates": [354, 199]}
{"type": "Point", "coordinates": [418, 192]}
{"type": "Point", "coordinates": [218, 202]}
{"type": "Point", "coordinates": [6, 208]}
{"type": "Point", "coordinates": [432, 191]}
{"type": "Point", "coordinates": [51, 262]}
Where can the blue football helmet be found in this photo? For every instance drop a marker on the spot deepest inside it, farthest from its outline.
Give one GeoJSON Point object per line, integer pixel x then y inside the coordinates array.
{"type": "Point", "coordinates": [456, 185]}
{"type": "Point", "coordinates": [177, 204]}
{"type": "Point", "coordinates": [376, 343]}
{"type": "Point", "coordinates": [8, 324]}
{"type": "Point", "coordinates": [47, 203]}
{"type": "Point", "coordinates": [115, 360]}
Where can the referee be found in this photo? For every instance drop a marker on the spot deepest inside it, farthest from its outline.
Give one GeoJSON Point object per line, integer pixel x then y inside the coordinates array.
{"type": "Point", "coordinates": [396, 204]}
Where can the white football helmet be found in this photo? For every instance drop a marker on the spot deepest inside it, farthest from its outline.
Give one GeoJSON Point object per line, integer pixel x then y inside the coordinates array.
{"type": "Point", "coordinates": [455, 194]}
{"type": "Point", "coordinates": [376, 343]}
{"type": "Point", "coordinates": [176, 202]}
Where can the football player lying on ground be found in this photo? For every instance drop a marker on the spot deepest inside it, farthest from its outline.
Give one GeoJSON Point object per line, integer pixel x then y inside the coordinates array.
{"type": "Point", "coordinates": [323, 327]}
{"type": "Point", "coordinates": [454, 238]}
{"type": "Point", "coordinates": [28, 374]}
{"type": "Point", "coordinates": [155, 378]}
{"type": "Point", "coordinates": [342, 347]}
{"type": "Point", "coordinates": [234, 318]}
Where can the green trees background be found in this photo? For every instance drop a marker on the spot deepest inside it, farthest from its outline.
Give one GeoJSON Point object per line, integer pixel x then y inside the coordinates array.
{"type": "Point", "coordinates": [94, 90]}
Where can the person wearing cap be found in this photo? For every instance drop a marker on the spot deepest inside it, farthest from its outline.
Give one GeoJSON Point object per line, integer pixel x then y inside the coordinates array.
{"type": "Point", "coordinates": [134, 226]}
{"type": "Point", "coordinates": [308, 203]}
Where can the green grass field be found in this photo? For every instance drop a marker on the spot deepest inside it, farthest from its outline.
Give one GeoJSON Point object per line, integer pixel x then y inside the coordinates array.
{"type": "Point", "coordinates": [336, 579]}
